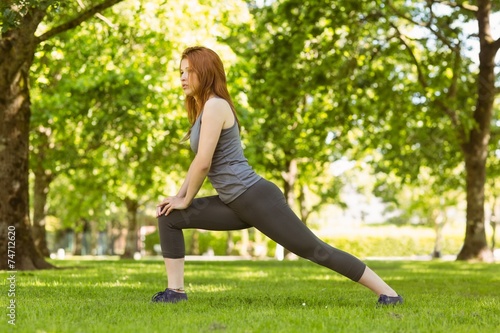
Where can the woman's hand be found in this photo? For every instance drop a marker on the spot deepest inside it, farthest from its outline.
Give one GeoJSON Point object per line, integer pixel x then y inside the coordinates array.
{"type": "Point", "coordinates": [169, 204]}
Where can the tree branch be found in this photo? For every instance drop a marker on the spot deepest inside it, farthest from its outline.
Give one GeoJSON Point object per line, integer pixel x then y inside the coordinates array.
{"type": "Point", "coordinates": [421, 79]}
{"type": "Point", "coordinates": [403, 16]}
{"type": "Point", "coordinates": [77, 20]}
{"type": "Point", "coordinates": [436, 32]}
{"type": "Point", "coordinates": [99, 16]}
{"type": "Point", "coordinates": [451, 113]}
{"type": "Point", "coordinates": [401, 37]}
{"type": "Point", "coordinates": [452, 89]}
{"type": "Point", "coordinates": [464, 6]}
{"type": "Point", "coordinates": [427, 25]}
{"type": "Point", "coordinates": [496, 44]}
{"type": "Point", "coordinates": [457, 63]}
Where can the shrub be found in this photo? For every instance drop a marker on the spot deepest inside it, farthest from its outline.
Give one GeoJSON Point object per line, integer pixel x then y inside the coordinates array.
{"type": "Point", "coordinates": [405, 243]}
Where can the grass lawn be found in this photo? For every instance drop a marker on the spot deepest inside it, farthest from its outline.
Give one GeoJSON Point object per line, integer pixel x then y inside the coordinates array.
{"type": "Point", "coordinates": [254, 296]}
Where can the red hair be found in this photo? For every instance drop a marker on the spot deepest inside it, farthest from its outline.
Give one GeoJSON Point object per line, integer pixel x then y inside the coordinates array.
{"type": "Point", "coordinates": [210, 71]}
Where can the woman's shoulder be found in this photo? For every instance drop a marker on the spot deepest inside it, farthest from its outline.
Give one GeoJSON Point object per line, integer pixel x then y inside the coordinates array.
{"type": "Point", "coordinates": [216, 106]}
{"type": "Point", "coordinates": [216, 103]}
{"type": "Point", "coordinates": [219, 109]}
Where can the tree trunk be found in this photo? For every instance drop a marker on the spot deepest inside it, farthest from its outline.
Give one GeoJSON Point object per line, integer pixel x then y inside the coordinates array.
{"type": "Point", "coordinates": [17, 49]}
{"type": "Point", "coordinates": [305, 212]}
{"type": "Point", "coordinates": [289, 179]}
{"type": "Point", "coordinates": [259, 249]}
{"type": "Point", "coordinates": [476, 147]}
{"type": "Point", "coordinates": [245, 243]}
{"type": "Point", "coordinates": [195, 243]}
{"type": "Point", "coordinates": [493, 222]}
{"type": "Point", "coordinates": [112, 236]}
{"type": "Point", "coordinates": [40, 193]}
{"type": "Point", "coordinates": [229, 243]}
{"type": "Point", "coordinates": [439, 219]}
{"type": "Point", "coordinates": [131, 240]}
{"type": "Point", "coordinates": [475, 245]}
{"type": "Point", "coordinates": [77, 243]}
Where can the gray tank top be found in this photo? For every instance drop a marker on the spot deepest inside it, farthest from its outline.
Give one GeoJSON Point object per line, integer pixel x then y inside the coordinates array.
{"type": "Point", "coordinates": [230, 173]}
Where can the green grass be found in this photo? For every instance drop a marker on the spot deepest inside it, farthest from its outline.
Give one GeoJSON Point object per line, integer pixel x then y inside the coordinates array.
{"type": "Point", "coordinates": [254, 296]}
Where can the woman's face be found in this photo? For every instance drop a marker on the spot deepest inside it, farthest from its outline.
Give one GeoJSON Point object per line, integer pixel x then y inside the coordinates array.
{"type": "Point", "coordinates": [189, 79]}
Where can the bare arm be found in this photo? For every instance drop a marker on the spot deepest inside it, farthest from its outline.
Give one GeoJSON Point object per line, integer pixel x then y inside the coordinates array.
{"type": "Point", "coordinates": [183, 189]}
{"type": "Point", "coordinates": [214, 117]}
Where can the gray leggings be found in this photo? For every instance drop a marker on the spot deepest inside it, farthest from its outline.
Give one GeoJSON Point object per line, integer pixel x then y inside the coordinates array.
{"type": "Point", "coordinates": [264, 207]}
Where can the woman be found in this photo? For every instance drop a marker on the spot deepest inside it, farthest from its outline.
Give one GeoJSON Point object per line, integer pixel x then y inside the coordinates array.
{"type": "Point", "coordinates": [244, 198]}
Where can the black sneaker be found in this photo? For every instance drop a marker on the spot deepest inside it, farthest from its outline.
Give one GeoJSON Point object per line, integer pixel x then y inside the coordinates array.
{"type": "Point", "coordinates": [168, 296]}
{"type": "Point", "coordinates": [390, 300]}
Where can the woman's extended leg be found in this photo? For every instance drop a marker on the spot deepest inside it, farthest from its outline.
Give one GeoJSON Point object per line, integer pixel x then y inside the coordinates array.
{"type": "Point", "coordinates": [264, 207]}
{"type": "Point", "coordinates": [375, 283]}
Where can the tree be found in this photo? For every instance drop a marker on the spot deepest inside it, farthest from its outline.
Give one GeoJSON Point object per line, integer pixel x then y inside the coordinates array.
{"type": "Point", "coordinates": [127, 144]}
{"type": "Point", "coordinates": [98, 107]}
{"type": "Point", "coordinates": [430, 104]}
{"type": "Point", "coordinates": [18, 43]}
{"type": "Point", "coordinates": [294, 94]}
{"type": "Point", "coordinates": [427, 105]}
{"type": "Point", "coordinates": [447, 87]}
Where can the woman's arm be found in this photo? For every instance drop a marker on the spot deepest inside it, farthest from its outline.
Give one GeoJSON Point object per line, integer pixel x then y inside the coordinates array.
{"type": "Point", "coordinates": [183, 189]}
{"type": "Point", "coordinates": [214, 117]}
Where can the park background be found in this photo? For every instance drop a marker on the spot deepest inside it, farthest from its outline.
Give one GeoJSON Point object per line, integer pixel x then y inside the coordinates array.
{"type": "Point", "coordinates": [378, 120]}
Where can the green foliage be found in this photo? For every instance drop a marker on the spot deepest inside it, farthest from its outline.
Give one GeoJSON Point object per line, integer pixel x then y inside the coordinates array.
{"type": "Point", "coordinates": [387, 83]}
{"type": "Point", "coordinates": [212, 240]}
{"type": "Point", "coordinates": [256, 296]}
{"type": "Point", "coordinates": [291, 115]}
{"type": "Point", "coordinates": [84, 114]}
{"type": "Point", "coordinates": [13, 11]}
{"type": "Point", "coordinates": [108, 108]}
{"type": "Point", "coordinates": [403, 243]}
